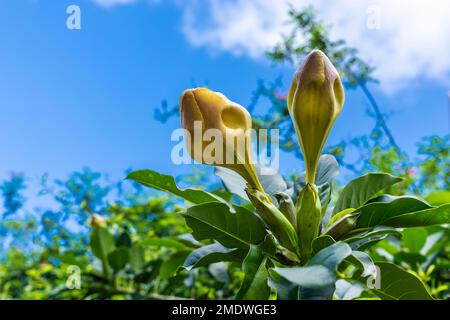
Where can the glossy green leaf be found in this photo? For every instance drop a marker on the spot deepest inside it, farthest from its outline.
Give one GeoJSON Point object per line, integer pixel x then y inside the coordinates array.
{"type": "Point", "coordinates": [164, 242]}
{"type": "Point", "coordinates": [232, 181]}
{"type": "Point", "coordinates": [213, 253]}
{"type": "Point", "coordinates": [413, 259]}
{"type": "Point", "coordinates": [316, 276]}
{"type": "Point", "coordinates": [327, 170]}
{"type": "Point", "coordinates": [438, 198]}
{"type": "Point", "coordinates": [365, 234]}
{"type": "Point", "coordinates": [322, 242]}
{"type": "Point", "coordinates": [254, 285]}
{"type": "Point", "coordinates": [323, 293]}
{"type": "Point", "coordinates": [324, 196]}
{"type": "Point", "coordinates": [102, 244]}
{"type": "Point", "coordinates": [172, 263]}
{"type": "Point", "coordinates": [137, 260]}
{"type": "Point", "coordinates": [285, 289]}
{"type": "Point", "coordinates": [331, 256]}
{"type": "Point", "coordinates": [320, 272]}
{"type": "Point", "coordinates": [398, 284]}
{"type": "Point", "coordinates": [124, 240]}
{"type": "Point", "coordinates": [347, 290]}
{"type": "Point", "coordinates": [219, 271]}
{"type": "Point", "coordinates": [271, 181]}
{"type": "Point", "coordinates": [358, 191]}
{"type": "Point", "coordinates": [343, 226]}
{"type": "Point", "coordinates": [363, 261]}
{"type": "Point", "coordinates": [436, 242]}
{"type": "Point", "coordinates": [414, 239]}
{"type": "Point", "coordinates": [367, 242]}
{"type": "Point", "coordinates": [377, 213]}
{"type": "Point", "coordinates": [339, 216]}
{"type": "Point", "coordinates": [232, 229]}
{"type": "Point", "coordinates": [428, 217]}
{"type": "Point", "coordinates": [119, 258]}
{"type": "Point", "coordinates": [167, 183]}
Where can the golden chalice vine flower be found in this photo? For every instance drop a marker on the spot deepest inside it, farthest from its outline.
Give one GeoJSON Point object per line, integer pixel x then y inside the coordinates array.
{"type": "Point", "coordinates": [315, 99]}
{"type": "Point", "coordinates": [206, 114]}
{"type": "Point", "coordinates": [203, 110]}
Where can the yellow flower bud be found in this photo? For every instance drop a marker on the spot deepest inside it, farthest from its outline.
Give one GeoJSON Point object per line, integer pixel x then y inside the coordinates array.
{"type": "Point", "coordinates": [98, 221]}
{"type": "Point", "coordinates": [308, 218]}
{"type": "Point", "coordinates": [219, 131]}
{"type": "Point", "coordinates": [315, 99]}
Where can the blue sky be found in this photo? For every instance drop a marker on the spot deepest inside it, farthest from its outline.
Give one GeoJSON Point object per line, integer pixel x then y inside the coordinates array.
{"type": "Point", "coordinates": [70, 98]}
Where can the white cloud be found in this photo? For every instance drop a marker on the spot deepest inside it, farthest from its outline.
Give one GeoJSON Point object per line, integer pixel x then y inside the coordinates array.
{"type": "Point", "coordinates": [413, 39]}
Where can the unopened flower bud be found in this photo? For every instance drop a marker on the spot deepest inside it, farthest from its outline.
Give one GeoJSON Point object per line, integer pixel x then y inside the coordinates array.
{"type": "Point", "coordinates": [315, 99]}
{"type": "Point", "coordinates": [219, 132]}
{"type": "Point", "coordinates": [287, 207]}
{"type": "Point", "coordinates": [98, 221]}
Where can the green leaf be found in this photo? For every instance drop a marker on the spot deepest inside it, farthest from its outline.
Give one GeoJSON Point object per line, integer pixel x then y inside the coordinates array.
{"type": "Point", "coordinates": [398, 284]}
{"type": "Point", "coordinates": [320, 272]}
{"type": "Point", "coordinates": [316, 276]}
{"type": "Point", "coordinates": [327, 170]}
{"type": "Point", "coordinates": [339, 216]}
{"type": "Point", "coordinates": [232, 181]}
{"type": "Point", "coordinates": [165, 242]}
{"type": "Point", "coordinates": [219, 271]}
{"type": "Point", "coordinates": [436, 241]}
{"type": "Point", "coordinates": [171, 265]}
{"type": "Point", "coordinates": [428, 217]}
{"type": "Point", "coordinates": [232, 229]}
{"type": "Point", "coordinates": [324, 196]}
{"type": "Point", "coordinates": [331, 256]}
{"type": "Point", "coordinates": [343, 226]}
{"type": "Point", "coordinates": [362, 261]}
{"type": "Point", "coordinates": [376, 213]}
{"type": "Point", "coordinates": [119, 258]}
{"type": "Point", "coordinates": [271, 181]}
{"type": "Point", "coordinates": [323, 293]}
{"type": "Point", "coordinates": [167, 183]}
{"type": "Point", "coordinates": [377, 231]}
{"type": "Point", "coordinates": [225, 195]}
{"type": "Point", "coordinates": [124, 240]}
{"type": "Point", "coordinates": [285, 289]}
{"type": "Point", "coordinates": [365, 239]}
{"type": "Point", "coordinates": [413, 259]}
{"type": "Point", "coordinates": [212, 253]}
{"type": "Point", "coordinates": [358, 191]}
{"type": "Point", "coordinates": [137, 260]}
{"type": "Point", "coordinates": [254, 285]}
{"type": "Point", "coordinates": [102, 244]}
{"type": "Point", "coordinates": [368, 242]}
{"type": "Point", "coordinates": [347, 290]}
{"type": "Point", "coordinates": [438, 198]}
{"type": "Point", "coordinates": [322, 242]}
{"type": "Point", "coordinates": [414, 239]}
